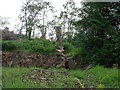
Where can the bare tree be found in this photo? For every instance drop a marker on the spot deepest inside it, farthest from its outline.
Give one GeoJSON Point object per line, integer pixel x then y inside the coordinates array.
{"type": "Point", "coordinates": [47, 7]}
{"type": "Point", "coordinates": [68, 15]}
{"type": "Point", "coordinates": [29, 17]}
{"type": "Point", "coordinates": [34, 15]}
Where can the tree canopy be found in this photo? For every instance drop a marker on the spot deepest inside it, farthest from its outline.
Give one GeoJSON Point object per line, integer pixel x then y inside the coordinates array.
{"type": "Point", "coordinates": [99, 32]}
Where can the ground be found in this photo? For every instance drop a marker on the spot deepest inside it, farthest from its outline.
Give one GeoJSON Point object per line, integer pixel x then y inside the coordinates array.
{"type": "Point", "coordinates": [97, 77]}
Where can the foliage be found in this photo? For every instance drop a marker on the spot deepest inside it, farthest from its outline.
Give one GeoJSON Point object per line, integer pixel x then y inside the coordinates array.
{"type": "Point", "coordinates": [70, 50]}
{"type": "Point", "coordinates": [8, 46]}
{"type": "Point", "coordinates": [98, 33]}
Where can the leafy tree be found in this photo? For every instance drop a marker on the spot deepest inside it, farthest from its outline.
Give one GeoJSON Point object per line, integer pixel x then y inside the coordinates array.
{"type": "Point", "coordinates": [99, 33]}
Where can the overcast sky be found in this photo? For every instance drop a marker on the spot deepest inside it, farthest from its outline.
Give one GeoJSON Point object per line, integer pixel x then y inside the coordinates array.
{"type": "Point", "coordinates": [11, 9]}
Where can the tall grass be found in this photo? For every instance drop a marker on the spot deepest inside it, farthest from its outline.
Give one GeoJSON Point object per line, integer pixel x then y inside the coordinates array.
{"type": "Point", "coordinates": [106, 76]}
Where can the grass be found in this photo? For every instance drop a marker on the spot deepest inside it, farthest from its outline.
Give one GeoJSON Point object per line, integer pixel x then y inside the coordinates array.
{"type": "Point", "coordinates": [39, 47]}
{"type": "Point", "coordinates": [97, 77]}
{"type": "Point", "coordinates": [104, 76]}
{"type": "Point", "coordinates": [12, 78]}
{"type": "Point", "coordinates": [0, 78]}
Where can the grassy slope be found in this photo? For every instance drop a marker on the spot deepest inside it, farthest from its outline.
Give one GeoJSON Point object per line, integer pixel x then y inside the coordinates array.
{"type": "Point", "coordinates": [39, 47]}
{"type": "Point", "coordinates": [59, 78]}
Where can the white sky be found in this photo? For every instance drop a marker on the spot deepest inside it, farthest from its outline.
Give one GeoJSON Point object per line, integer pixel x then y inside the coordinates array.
{"type": "Point", "coordinates": [11, 9]}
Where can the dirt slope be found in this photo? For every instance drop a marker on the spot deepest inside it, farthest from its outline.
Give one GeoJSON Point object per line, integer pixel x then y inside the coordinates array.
{"type": "Point", "coordinates": [23, 59]}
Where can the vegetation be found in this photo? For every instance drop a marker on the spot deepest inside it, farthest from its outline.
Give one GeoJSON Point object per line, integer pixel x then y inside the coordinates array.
{"type": "Point", "coordinates": [38, 46]}
{"type": "Point", "coordinates": [33, 46]}
{"type": "Point", "coordinates": [98, 33]}
{"type": "Point", "coordinates": [71, 50]}
{"type": "Point", "coordinates": [90, 33]}
{"type": "Point", "coordinates": [93, 28]}
{"type": "Point", "coordinates": [33, 16]}
{"type": "Point", "coordinates": [60, 78]}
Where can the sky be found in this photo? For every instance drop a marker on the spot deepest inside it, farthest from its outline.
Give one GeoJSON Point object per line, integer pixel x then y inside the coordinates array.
{"type": "Point", "coordinates": [11, 9]}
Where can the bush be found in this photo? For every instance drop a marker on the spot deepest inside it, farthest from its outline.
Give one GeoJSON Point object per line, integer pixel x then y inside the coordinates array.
{"type": "Point", "coordinates": [107, 55]}
{"type": "Point", "coordinates": [44, 47]}
{"type": "Point", "coordinates": [71, 50]}
{"type": "Point", "coordinates": [8, 46]}
{"type": "Point", "coordinates": [32, 46]}
{"type": "Point", "coordinates": [40, 47]}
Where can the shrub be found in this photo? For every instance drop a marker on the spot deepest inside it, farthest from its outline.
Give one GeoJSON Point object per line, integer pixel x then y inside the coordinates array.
{"type": "Point", "coordinates": [39, 46]}
{"type": "Point", "coordinates": [32, 46]}
{"type": "Point", "coordinates": [70, 50]}
{"type": "Point", "coordinates": [44, 47]}
{"type": "Point", "coordinates": [8, 46]}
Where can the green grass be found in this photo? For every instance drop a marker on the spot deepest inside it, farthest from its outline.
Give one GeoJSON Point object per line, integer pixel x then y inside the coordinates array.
{"type": "Point", "coordinates": [104, 76]}
{"type": "Point", "coordinates": [31, 46]}
{"type": "Point", "coordinates": [12, 78]}
{"type": "Point", "coordinates": [0, 78]}
{"type": "Point", "coordinates": [39, 47]}
{"type": "Point", "coordinates": [59, 78]}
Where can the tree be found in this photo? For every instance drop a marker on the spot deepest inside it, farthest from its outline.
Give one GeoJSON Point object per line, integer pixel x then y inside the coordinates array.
{"type": "Point", "coordinates": [67, 16]}
{"type": "Point", "coordinates": [46, 8]}
{"type": "Point", "coordinates": [30, 12]}
{"type": "Point", "coordinates": [99, 33]}
{"type": "Point", "coordinates": [34, 16]}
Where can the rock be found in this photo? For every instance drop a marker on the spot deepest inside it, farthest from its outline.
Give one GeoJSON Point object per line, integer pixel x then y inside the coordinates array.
{"type": "Point", "coordinates": [23, 59]}
{"type": "Point", "coordinates": [116, 66]}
